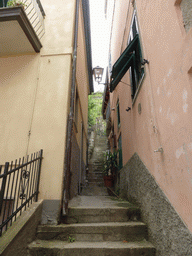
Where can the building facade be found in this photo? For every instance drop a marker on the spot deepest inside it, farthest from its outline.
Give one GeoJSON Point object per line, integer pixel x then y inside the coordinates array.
{"type": "Point", "coordinates": [44, 85]}
{"type": "Point", "coordinates": [150, 120]}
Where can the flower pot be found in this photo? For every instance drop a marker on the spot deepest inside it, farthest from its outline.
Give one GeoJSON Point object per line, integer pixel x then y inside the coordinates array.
{"type": "Point", "coordinates": [108, 181]}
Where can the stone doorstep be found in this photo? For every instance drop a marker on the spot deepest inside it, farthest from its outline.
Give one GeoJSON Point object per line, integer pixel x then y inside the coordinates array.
{"type": "Point", "coordinates": [95, 232]}
{"type": "Point", "coordinates": [53, 248]}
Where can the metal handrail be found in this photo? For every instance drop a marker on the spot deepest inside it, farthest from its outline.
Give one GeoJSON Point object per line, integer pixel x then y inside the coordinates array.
{"type": "Point", "coordinates": [19, 187]}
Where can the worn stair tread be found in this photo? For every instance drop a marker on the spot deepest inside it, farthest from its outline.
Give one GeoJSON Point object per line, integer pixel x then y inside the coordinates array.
{"type": "Point", "coordinates": [54, 228]}
{"type": "Point", "coordinates": [102, 207]}
{"type": "Point", "coordinates": [109, 231]}
{"type": "Point", "coordinates": [93, 245]}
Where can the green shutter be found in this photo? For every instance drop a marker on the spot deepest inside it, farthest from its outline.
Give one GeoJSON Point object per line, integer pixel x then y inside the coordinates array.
{"type": "Point", "coordinates": [124, 62]}
{"type": "Point", "coordinates": [123, 70]}
{"type": "Point", "coordinates": [131, 57]}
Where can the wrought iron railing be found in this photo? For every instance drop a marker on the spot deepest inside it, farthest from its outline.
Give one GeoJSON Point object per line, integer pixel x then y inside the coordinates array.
{"type": "Point", "coordinates": [34, 12]}
{"type": "Point", "coordinates": [19, 182]}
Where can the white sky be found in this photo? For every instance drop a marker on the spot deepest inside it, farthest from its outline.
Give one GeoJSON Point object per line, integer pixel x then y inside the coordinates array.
{"type": "Point", "coordinates": [99, 37]}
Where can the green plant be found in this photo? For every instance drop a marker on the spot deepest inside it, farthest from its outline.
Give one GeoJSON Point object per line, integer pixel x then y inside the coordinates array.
{"type": "Point", "coordinates": [71, 239]}
{"type": "Point", "coordinates": [13, 3]}
{"type": "Point", "coordinates": [110, 165]}
{"type": "Point", "coordinates": [95, 108]}
{"type": "Point", "coordinates": [117, 191]}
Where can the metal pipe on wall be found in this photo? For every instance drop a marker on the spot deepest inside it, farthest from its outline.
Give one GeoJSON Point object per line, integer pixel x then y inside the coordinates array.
{"type": "Point", "coordinates": [81, 161]}
{"type": "Point", "coordinates": [67, 162]}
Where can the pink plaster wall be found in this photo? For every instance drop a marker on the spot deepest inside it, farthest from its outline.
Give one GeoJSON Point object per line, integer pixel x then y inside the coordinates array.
{"type": "Point", "coordinates": [165, 96]}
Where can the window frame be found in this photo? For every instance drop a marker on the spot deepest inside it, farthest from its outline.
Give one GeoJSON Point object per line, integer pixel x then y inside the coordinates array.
{"type": "Point", "coordinates": [118, 115]}
{"type": "Point", "coordinates": [138, 82]}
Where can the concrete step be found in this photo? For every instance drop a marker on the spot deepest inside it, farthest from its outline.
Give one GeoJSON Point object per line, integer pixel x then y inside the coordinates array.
{"type": "Point", "coordinates": [95, 232]}
{"type": "Point", "coordinates": [95, 179]}
{"type": "Point", "coordinates": [55, 248]}
{"type": "Point", "coordinates": [123, 248]}
{"type": "Point", "coordinates": [96, 183]}
{"type": "Point", "coordinates": [96, 215]}
{"type": "Point", "coordinates": [92, 190]}
{"type": "Point", "coordinates": [96, 168]}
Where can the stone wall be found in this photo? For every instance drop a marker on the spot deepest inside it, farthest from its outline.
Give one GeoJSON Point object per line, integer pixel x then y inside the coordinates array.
{"type": "Point", "coordinates": [186, 8]}
{"type": "Point", "coordinates": [167, 231]}
{"type": "Point", "coordinates": [16, 239]}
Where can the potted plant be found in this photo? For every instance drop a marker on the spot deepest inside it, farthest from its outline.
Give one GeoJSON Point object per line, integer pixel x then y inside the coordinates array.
{"type": "Point", "coordinates": [109, 168]}
{"type": "Point", "coordinates": [15, 3]}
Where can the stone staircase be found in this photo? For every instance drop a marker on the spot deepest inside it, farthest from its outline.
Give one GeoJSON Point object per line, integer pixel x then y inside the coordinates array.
{"type": "Point", "coordinates": [95, 185]}
{"type": "Point", "coordinates": [97, 224]}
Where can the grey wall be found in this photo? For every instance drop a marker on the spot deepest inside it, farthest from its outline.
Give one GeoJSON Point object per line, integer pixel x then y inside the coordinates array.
{"type": "Point", "coordinates": [167, 231]}
{"type": "Point", "coordinates": [186, 8]}
{"type": "Point", "coordinates": [15, 240]}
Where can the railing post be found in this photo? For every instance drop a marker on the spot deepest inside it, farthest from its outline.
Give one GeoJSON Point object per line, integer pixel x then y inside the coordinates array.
{"type": "Point", "coordinates": [3, 185]}
{"type": "Point", "coordinates": [38, 178]}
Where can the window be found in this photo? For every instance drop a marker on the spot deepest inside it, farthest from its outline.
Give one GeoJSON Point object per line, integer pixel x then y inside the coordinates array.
{"type": "Point", "coordinates": [120, 153]}
{"type": "Point", "coordinates": [136, 70]}
{"type": "Point", "coordinates": [118, 115]}
{"type": "Point", "coordinates": [130, 59]}
{"type": "Point", "coordinates": [3, 3]}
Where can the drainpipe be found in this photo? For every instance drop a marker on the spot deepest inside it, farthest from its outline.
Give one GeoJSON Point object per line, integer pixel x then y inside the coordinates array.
{"type": "Point", "coordinates": [81, 160]}
{"type": "Point", "coordinates": [67, 163]}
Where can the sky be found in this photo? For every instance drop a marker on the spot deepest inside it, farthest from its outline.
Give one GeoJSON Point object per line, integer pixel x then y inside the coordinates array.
{"type": "Point", "coordinates": [98, 37]}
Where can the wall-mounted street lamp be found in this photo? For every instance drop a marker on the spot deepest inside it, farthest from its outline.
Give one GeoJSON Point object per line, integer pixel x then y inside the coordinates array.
{"type": "Point", "coordinates": [98, 74]}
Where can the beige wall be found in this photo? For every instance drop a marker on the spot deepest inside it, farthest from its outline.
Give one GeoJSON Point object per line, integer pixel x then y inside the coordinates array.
{"type": "Point", "coordinates": [82, 83]}
{"type": "Point", "coordinates": [165, 120]}
{"type": "Point", "coordinates": [34, 91]}
{"type": "Point", "coordinates": [34, 97]}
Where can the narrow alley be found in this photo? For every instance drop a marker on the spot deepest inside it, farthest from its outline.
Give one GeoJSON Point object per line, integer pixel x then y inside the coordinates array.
{"type": "Point", "coordinates": [97, 224]}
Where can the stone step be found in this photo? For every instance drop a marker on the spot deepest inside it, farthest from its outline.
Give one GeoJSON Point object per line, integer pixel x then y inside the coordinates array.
{"type": "Point", "coordinates": [95, 232]}
{"type": "Point", "coordinates": [95, 179]}
{"type": "Point", "coordinates": [96, 167]}
{"type": "Point", "coordinates": [92, 190]}
{"type": "Point", "coordinates": [96, 215]}
{"type": "Point", "coordinates": [123, 248]}
{"type": "Point", "coordinates": [94, 176]}
{"type": "Point", "coordinates": [96, 183]}
{"type": "Point", "coordinates": [97, 173]}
